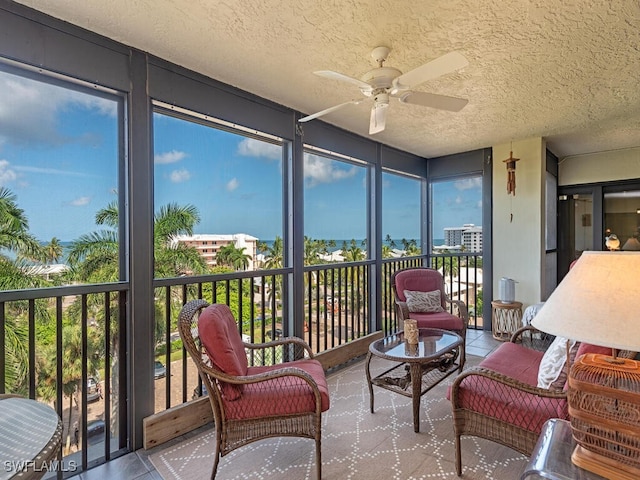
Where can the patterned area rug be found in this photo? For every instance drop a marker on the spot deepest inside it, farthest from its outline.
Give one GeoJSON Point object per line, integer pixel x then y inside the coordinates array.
{"type": "Point", "coordinates": [356, 444]}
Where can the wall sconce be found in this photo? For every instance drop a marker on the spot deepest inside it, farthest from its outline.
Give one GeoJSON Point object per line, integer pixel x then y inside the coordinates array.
{"type": "Point", "coordinates": [511, 174]}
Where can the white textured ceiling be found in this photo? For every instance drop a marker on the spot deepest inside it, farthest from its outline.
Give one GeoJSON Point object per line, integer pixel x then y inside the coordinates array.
{"type": "Point", "coordinates": [565, 70]}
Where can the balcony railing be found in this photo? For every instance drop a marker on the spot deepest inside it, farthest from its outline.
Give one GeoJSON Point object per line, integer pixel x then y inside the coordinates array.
{"type": "Point", "coordinates": [83, 375]}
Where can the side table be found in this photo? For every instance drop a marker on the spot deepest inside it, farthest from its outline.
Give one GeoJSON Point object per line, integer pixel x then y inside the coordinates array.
{"type": "Point", "coordinates": [417, 368]}
{"type": "Point", "coordinates": [506, 318]}
{"type": "Point", "coordinates": [551, 457]}
{"type": "Point", "coordinates": [30, 438]}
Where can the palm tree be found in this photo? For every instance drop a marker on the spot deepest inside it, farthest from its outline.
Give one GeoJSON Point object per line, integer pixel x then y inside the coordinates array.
{"type": "Point", "coordinates": [353, 252]}
{"type": "Point", "coordinates": [14, 228]}
{"type": "Point", "coordinates": [16, 361]}
{"type": "Point", "coordinates": [231, 256]}
{"type": "Point", "coordinates": [53, 251]}
{"type": "Point", "coordinates": [17, 274]}
{"type": "Point", "coordinates": [274, 259]}
{"type": "Point", "coordinates": [94, 256]}
{"type": "Point", "coordinates": [274, 255]}
{"type": "Point", "coordinates": [410, 247]}
{"type": "Point", "coordinates": [390, 241]}
{"type": "Point", "coordinates": [72, 365]}
{"type": "Point", "coordinates": [240, 260]}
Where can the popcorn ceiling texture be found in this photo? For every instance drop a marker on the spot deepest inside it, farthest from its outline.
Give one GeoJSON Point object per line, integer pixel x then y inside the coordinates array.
{"type": "Point", "coordinates": [564, 70]}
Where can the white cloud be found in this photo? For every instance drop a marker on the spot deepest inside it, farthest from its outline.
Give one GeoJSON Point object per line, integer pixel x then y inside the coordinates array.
{"type": "Point", "coordinates": [30, 111]}
{"type": "Point", "coordinates": [169, 157]}
{"type": "Point", "coordinates": [179, 176]}
{"type": "Point", "coordinates": [458, 200]}
{"type": "Point", "coordinates": [468, 183]}
{"type": "Point", "coordinates": [319, 170]}
{"type": "Point", "coordinates": [80, 201]}
{"type": "Point", "coordinates": [6, 173]}
{"type": "Point", "coordinates": [232, 184]}
{"type": "Point", "coordinates": [250, 147]}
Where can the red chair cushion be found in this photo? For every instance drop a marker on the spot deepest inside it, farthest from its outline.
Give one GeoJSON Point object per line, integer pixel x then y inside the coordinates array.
{"type": "Point", "coordinates": [507, 403]}
{"type": "Point", "coordinates": [280, 396]}
{"type": "Point", "coordinates": [515, 361]}
{"type": "Point", "coordinates": [444, 320]}
{"type": "Point", "coordinates": [221, 339]}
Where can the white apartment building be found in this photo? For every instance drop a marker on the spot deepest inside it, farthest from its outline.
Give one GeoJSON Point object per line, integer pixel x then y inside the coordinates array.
{"type": "Point", "coordinates": [468, 236]}
{"type": "Point", "coordinates": [209, 244]}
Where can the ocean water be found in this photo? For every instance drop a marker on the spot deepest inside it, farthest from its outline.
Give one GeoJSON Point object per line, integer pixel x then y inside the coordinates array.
{"type": "Point", "coordinates": [339, 243]}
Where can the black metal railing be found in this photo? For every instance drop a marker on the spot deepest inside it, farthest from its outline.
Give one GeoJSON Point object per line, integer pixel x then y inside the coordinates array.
{"type": "Point", "coordinates": [68, 356]}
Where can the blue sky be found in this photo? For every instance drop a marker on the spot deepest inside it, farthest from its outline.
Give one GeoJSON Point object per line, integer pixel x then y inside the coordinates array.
{"type": "Point", "coordinates": [58, 155]}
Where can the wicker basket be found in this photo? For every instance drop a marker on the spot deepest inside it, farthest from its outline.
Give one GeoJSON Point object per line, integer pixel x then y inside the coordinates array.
{"type": "Point", "coordinates": [604, 405]}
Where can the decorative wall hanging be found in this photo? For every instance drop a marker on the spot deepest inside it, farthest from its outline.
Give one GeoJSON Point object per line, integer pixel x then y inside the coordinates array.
{"type": "Point", "coordinates": [511, 174]}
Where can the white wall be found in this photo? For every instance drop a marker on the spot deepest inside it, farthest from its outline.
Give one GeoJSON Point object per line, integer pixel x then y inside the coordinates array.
{"type": "Point", "coordinates": [519, 240]}
{"type": "Point", "coordinates": [599, 167]}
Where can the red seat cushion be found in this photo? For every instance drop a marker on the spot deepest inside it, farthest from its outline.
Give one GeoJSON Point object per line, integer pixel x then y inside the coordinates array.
{"type": "Point", "coordinates": [444, 320]}
{"type": "Point", "coordinates": [221, 339]}
{"type": "Point", "coordinates": [280, 396]}
{"type": "Point", "coordinates": [507, 403]}
{"type": "Point", "coordinates": [515, 361]}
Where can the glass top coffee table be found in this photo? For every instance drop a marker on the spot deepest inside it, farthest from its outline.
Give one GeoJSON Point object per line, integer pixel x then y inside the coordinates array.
{"type": "Point", "coordinates": [418, 367]}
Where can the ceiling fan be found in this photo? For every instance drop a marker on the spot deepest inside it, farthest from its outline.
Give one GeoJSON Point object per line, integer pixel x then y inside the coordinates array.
{"type": "Point", "coordinates": [383, 83]}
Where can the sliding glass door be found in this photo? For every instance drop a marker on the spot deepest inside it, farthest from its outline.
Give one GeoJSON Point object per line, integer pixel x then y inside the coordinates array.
{"type": "Point", "coordinates": [597, 217]}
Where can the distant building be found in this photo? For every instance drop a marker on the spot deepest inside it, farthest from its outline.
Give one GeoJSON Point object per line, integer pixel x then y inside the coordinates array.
{"type": "Point", "coordinates": [47, 271]}
{"type": "Point", "coordinates": [209, 244]}
{"type": "Point", "coordinates": [468, 236]}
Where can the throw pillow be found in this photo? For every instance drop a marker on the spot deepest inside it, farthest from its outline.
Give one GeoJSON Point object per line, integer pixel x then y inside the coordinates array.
{"type": "Point", "coordinates": [424, 302]}
{"type": "Point", "coordinates": [552, 373]}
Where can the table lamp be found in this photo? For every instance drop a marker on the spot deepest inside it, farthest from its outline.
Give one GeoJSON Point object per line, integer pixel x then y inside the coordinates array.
{"type": "Point", "coordinates": [597, 302]}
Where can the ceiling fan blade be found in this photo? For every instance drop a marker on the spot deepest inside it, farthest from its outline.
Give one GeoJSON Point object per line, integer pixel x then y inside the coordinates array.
{"type": "Point", "coordinates": [343, 78]}
{"type": "Point", "coordinates": [447, 63]}
{"type": "Point", "coordinates": [327, 110]}
{"type": "Point", "coordinates": [378, 118]}
{"type": "Point", "coordinates": [441, 102]}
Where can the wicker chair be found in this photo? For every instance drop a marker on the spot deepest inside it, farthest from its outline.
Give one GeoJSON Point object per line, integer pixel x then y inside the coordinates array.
{"type": "Point", "coordinates": [489, 403]}
{"type": "Point", "coordinates": [428, 280]}
{"type": "Point", "coordinates": [481, 397]}
{"type": "Point", "coordinates": [251, 403]}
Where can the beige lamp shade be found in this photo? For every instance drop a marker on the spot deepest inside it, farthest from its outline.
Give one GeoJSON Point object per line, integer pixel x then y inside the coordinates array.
{"type": "Point", "coordinates": [597, 302]}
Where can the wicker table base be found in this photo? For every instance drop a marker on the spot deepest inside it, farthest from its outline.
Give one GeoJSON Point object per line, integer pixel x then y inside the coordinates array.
{"type": "Point", "coordinates": [417, 370]}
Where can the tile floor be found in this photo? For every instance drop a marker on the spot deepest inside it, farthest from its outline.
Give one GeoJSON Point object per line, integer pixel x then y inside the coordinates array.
{"type": "Point", "coordinates": [137, 466]}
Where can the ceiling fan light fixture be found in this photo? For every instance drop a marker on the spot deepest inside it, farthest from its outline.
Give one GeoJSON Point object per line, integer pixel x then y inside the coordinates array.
{"type": "Point", "coordinates": [383, 82]}
{"type": "Point", "coordinates": [381, 99]}
{"type": "Point", "coordinates": [378, 119]}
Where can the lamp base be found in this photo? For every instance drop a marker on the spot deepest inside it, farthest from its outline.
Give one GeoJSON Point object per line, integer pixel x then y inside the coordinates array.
{"type": "Point", "coordinates": [603, 466]}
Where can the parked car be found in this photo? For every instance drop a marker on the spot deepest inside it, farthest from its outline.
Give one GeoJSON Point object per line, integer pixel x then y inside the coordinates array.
{"type": "Point", "coordinates": [94, 390]}
{"type": "Point", "coordinates": [159, 370]}
{"type": "Point", "coordinates": [95, 431]}
{"type": "Point", "coordinates": [278, 335]}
